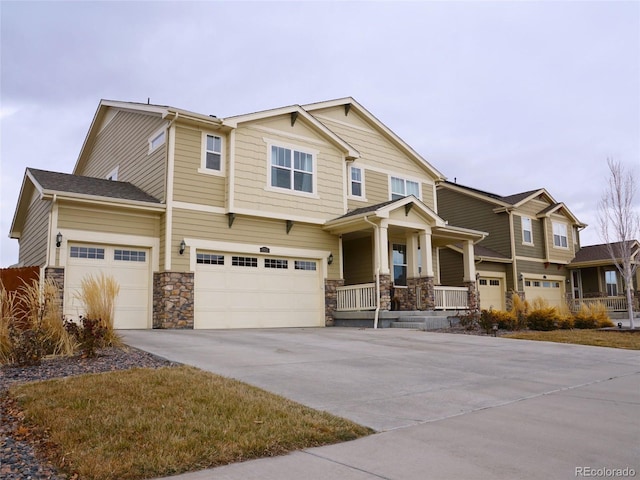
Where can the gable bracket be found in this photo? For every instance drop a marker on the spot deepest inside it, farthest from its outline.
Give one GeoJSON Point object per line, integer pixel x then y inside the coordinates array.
{"type": "Point", "coordinates": [407, 209]}
{"type": "Point", "coordinates": [294, 117]}
{"type": "Point", "coordinates": [232, 217]}
{"type": "Point", "coordinates": [347, 107]}
{"type": "Point", "coordinates": [289, 226]}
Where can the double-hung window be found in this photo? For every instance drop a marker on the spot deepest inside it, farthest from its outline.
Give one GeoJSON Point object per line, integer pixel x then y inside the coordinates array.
{"type": "Point", "coordinates": [401, 187]}
{"type": "Point", "coordinates": [399, 257]}
{"type": "Point", "coordinates": [212, 153]}
{"type": "Point", "coordinates": [291, 169]}
{"type": "Point", "coordinates": [527, 232]}
{"type": "Point", "coordinates": [560, 235]}
{"type": "Point", "coordinates": [611, 280]}
{"type": "Point", "coordinates": [356, 183]}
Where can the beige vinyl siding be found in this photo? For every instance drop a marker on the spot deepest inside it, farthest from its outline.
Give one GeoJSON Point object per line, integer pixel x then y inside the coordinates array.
{"type": "Point", "coordinates": [249, 230]}
{"type": "Point", "coordinates": [358, 261]}
{"type": "Point", "coordinates": [33, 238]}
{"type": "Point", "coordinates": [190, 185]}
{"type": "Point", "coordinates": [252, 166]}
{"type": "Point", "coordinates": [463, 211]}
{"type": "Point", "coordinates": [108, 221]}
{"type": "Point", "coordinates": [537, 250]}
{"type": "Point", "coordinates": [379, 152]}
{"type": "Point", "coordinates": [124, 143]}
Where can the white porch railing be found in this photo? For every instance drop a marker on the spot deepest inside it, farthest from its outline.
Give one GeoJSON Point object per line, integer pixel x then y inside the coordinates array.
{"type": "Point", "coordinates": [357, 297]}
{"type": "Point", "coordinates": [612, 304]}
{"type": "Point", "coordinates": [451, 298]}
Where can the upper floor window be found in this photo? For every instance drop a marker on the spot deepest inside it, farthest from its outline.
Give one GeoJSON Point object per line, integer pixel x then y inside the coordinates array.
{"type": "Point", "coordinates": [156, 140]}
{"type": "Point", "coordinates": [291, 169]}
{"type": "Point", "coordinates": [401, 187]}
{"type": "Point", "coordinates": [527, 232]}
{"type": "Point", "coordinates": [356, 182]}
{"type": "Point", "coordinates": [560, 235]}
{"type": "Point", "coordinates": [213, 153]}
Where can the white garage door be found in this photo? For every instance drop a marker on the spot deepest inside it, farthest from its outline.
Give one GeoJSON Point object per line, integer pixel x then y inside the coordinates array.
{"type": "Point", "coordinates": [550, 290]}
{"type": "Point", "coordinates": [131, 269]}
{"type": "Point", "coordinates": [247, 291]}
{"type": "Point", "coordinates": [492, 293]}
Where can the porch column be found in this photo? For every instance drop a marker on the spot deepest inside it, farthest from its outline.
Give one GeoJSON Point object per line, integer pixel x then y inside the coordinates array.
{"type": "Point", "coordinates": [382, 248]}
{"type": "Point", "coordinates": [469, 263]}
{"type": "Point", "coordinates": [412, 256]}
{"type": "Point", "coordinates": [427, 257]}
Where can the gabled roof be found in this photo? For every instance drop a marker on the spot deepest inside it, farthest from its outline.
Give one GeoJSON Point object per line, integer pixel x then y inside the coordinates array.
{"type": "Point", "coordinates": [297, 111]}
{"type": "Point", "coordinates": [508, 202]}
{"type": "Point", "coordinates": [599, 254]}
{"type": "Point", "coordinates": [75, 187]}
{"type": "Point", "coordinates": [351, 103]}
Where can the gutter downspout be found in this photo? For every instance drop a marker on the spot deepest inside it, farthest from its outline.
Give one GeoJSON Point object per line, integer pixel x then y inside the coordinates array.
{"type": "Point", "coordinates": [169, 193]}
{"type": "Point", "coordinates": [377, 312]}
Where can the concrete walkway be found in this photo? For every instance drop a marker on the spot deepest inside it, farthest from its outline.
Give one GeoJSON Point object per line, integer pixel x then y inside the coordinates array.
{"type": "Point", "coordinates": [446, 406]}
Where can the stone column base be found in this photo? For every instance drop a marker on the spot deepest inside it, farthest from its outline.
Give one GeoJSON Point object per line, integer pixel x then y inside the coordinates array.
{"type": "Point", "coordinates": [173, 300]}
{"type": "Point", "coordinates": [331, 299]}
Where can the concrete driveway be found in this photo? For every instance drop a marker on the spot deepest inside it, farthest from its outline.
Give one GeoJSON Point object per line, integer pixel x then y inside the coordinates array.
{"type": "Point", "coordinates": [446, 406]}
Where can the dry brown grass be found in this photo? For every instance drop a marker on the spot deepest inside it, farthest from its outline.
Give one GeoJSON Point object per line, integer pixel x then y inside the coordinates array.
{"type": "Point", "coordinates": [598, 338]}
{"type": "Point", "coordinates": [7, 314]}
{"type": "Point", "coordinates": [146, 423]}
{"type": "Point", "coordinates": [98, 297]}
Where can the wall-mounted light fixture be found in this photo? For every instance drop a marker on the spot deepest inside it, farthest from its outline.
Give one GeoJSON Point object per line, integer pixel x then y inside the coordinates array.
{"type": "Point", "coordinates": [182, 247]}
{"type": "Point", "coordinates": [58, 239]}
{"type": "Point", "coordinates": [330, 259]}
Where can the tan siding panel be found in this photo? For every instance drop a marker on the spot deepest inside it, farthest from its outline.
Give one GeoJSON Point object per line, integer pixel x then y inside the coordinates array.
{"type": "Point", "coordinates": [525, 250]}
{"type": "Point", "coordinates": [33, 241]}
{"type": "Point", "coordinates": [98, 220]}
{"type": "Point", "coordinates": [451, 268]}
{"type": "Point", "coordinates": [189, 185]}
{"type": "Point", "coordinates": [253, 192]}
{"type": "Point", "coordinates": [377, 187]}
{"type": "Point", "coordinates": [358, 261]}
{"type": "Point", "coordinates": [124, 143]}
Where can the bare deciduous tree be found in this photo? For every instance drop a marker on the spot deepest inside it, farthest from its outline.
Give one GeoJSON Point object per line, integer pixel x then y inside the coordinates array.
{"type": "Point", "coordinates": [619, 224]}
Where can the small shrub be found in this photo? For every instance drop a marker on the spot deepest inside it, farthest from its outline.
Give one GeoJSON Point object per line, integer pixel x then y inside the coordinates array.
{"type": "Point", "coordinates": [565, 317]}
{"type": "Point", "coordinates": [592, 316]}
{"type": "Point", "coordinates": [469, 320]}
{"type": "Point", "coordinates": [90, 335]}
{"type": "Point", "coordinates": [542, 316]}
{"type": "Point", "coordinates": [27, 346]}
{"type": "Point", "coordinates": [504, 320]}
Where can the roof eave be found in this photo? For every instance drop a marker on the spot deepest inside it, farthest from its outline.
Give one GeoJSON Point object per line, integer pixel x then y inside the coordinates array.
{"type": "Point", "coordinates": [102, 200]}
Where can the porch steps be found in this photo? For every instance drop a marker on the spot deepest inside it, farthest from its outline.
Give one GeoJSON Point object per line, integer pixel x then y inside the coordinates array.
{"type": "Point", "coordinates": [432, 321]}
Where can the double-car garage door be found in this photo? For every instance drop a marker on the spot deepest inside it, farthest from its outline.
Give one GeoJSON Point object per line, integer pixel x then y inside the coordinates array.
{"type": "Point", "coordinates": [257, 291]}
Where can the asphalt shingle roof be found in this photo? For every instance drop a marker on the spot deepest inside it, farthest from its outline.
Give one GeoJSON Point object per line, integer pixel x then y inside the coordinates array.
{"type": "Point", "coordinates": [510, 199]}
{"type": "Point", "coordinates": [594, 253]}
{"type": "Point", "coordinates": [99, 187]}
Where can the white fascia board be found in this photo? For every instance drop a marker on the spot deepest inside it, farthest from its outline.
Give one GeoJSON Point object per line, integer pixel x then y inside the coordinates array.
{"type": "Point", "coordinates": [117, 202]}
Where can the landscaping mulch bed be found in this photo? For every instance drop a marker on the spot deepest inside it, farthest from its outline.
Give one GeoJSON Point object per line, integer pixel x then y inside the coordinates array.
{"type": "Point", "coordinates": [22, 451]}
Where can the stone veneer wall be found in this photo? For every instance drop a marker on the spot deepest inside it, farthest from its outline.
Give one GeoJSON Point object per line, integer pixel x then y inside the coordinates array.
{"type": "Point", "coordinates": [57, 275]}
{"type": "Point", "coordinates": [473, 297]}
{"type": "Point", "coordinates": [407, 298]}
{"type": "Point", "coordinates": [331, 299]}
{"type": "Point", "coordinates": [173, 300]}
{"type": "Point", "coordinates": [386, 285]}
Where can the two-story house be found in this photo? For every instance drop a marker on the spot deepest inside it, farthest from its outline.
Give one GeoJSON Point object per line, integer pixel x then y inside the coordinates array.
{"type": "Point", "coordinates": [532, 240]}
{"type": "Point", "coordinates": [270, 219]}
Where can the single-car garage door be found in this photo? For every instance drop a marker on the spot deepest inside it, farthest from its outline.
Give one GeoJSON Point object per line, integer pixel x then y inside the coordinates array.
{"type": "Point", "coordinates": [129, 266]}
{"type": "Point", "coordinates": [492, 292]}
{"type": "Point", "coordinates": [257, 291]}
{"type": "Point", "coordinates": [550, 290]}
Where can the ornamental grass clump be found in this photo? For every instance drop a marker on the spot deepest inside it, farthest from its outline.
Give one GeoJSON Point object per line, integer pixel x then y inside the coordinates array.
{"type": "Point", "coordinates": [31, 326]}
{"type": "Point", "coordinates": [592, 316]}
{"type": "Point", "coordinates": [98, 298]}
{"type": "Point", "coordinates": [519, 310]}
{"type": "Point", "coordinates": [542, 316]}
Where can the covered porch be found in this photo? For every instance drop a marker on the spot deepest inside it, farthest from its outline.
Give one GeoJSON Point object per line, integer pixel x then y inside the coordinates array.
{"type": "Point", "coordinates": [389, 259]}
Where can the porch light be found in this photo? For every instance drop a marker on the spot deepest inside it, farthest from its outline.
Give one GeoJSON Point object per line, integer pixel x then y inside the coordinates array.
{"type": "Point", "coordinates": [182, 247]}
{"type": "Point", "coordinates": [58, 239]}
{"type": "Point", "coordinates": [330, 259]}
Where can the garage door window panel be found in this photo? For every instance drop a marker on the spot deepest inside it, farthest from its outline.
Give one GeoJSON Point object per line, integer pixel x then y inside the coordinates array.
{"type": "Point", "coordinates": [87, 252]}
{"type": "Point", "coordinates": [129, 255]}
{"type": "Point", "coordinates": [305, 265]}
{"type": "Point", "coordinates": [244, 261]}
{"type": "Point", "coordinates": [209, 259]}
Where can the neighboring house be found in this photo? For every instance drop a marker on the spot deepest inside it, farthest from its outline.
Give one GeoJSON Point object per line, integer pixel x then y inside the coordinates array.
{"type": "Point", "coordinates": [270, 219]}
{"type": "Point", "coordinates": [532, 240]}
{"type": "Point", "coordinates": [595, 277]}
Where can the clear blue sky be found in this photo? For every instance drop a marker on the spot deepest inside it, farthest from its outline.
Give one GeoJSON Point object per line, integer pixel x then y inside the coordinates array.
{"type": "Point", "coordinates": [504, 96]}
